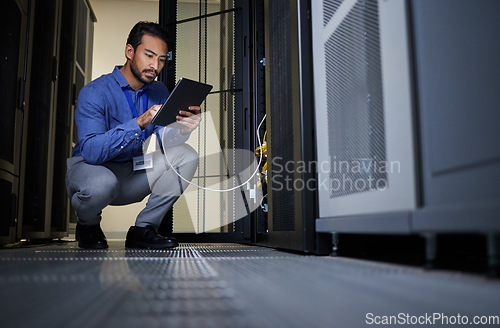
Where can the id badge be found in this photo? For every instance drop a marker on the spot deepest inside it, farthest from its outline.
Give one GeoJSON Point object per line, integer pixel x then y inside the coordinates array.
{"type": "Point", "coordinates": [143, 162]}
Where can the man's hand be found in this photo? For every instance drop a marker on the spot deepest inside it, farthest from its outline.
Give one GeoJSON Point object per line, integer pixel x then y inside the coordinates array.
{"type": "Point", "coordinates": [190, 119]}
{"type": "Point", "coordinates": [146, 118]}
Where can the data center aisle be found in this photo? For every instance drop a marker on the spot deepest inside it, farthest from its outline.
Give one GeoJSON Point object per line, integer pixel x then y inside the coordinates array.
{"type": "Point", "coordinates": [225, 285]}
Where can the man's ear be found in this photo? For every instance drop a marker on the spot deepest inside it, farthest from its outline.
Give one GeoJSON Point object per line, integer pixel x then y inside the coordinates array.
{"type": "Point", "coordinates": [129, 51]}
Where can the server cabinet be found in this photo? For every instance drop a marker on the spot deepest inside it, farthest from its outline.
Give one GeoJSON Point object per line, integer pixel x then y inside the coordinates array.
{"type": "Point", "coordinates": [408, 91]}
{"type": "Point", "coordinates": [14, 36]}
{"type": "Point", "coordinates": [290, 127]}
{"type": "Point", "coordinates": [364, 116]}
{"type": "Point", "coordinates": [36, 180]}
{"type": "Point", "coordinates": [457, 76]}
{"type": "Point", "coordinates": [75, 70]}
{"type": "Point", "coordinates": [62, 40]}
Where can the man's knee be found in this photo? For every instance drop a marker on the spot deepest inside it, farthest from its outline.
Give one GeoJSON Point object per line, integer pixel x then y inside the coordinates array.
{"type": "Point", "coordinates": [191, 155]}
{"type": "Point", "coordinates": [95, 193]}
{"type": "Point", "coordinates": [183, 154]}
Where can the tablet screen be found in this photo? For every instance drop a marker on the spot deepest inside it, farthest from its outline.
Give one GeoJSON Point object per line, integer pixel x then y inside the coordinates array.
{"type": "Point", "coordinates": [186, 93]}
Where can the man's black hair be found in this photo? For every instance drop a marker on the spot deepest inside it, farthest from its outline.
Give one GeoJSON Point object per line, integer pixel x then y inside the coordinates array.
{"type": "Point", "coordinates": [141, 28]}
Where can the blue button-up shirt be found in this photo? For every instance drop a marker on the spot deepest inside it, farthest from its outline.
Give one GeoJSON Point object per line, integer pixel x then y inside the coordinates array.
{"type": "Point", "coordinates": [107, 129]}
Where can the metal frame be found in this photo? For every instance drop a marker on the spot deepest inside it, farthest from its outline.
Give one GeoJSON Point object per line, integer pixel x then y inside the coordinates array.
{"type": "Point", "coordinates": [259, 217]}
{"type": "Point", "coordinates": [242, 130]}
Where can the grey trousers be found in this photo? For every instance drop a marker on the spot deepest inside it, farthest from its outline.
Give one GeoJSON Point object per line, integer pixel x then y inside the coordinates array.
{"type": "Point", "coordinates": [93, 187]}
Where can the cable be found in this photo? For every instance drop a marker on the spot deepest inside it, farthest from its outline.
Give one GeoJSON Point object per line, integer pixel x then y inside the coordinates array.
{"type": "Point", "coordinates": [205, 188]}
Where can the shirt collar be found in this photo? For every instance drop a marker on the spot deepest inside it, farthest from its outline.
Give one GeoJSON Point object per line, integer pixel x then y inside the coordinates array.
{"type": "Point", "coordinates": [122, 81]}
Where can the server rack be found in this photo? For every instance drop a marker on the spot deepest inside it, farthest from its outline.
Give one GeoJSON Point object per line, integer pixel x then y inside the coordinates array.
{"type": "Point", "coordinates": [450, 158]}
{"type": "Point", "coordinates": [75, 70]}
{"type": "Point", "coordinates": [62, 41]}
{"type": "Point", "coordinates": [46, 61]}
{"type": "Point", "coordinates": [459, 156]}
{"type": "Point", "coordinates": [290, 127]}
{"type": "Point", "coordinates": [14, 81]}
{"type": "Point", "coordinates": [37, 174]}
{"type": "Point", "coordinates": [365, 113]}
{"type": "Point", "coordinates": [458, 130]}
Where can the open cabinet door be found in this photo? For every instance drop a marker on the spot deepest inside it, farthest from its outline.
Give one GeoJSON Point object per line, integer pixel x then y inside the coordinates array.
{"type": "Point", "coordinates": [209, 43]}
{"type": "Point", "coordinates": [290, 127]}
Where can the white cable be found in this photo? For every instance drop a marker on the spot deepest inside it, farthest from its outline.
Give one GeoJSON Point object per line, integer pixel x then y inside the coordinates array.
{"type": "Point", "coordinates": [205, 188]}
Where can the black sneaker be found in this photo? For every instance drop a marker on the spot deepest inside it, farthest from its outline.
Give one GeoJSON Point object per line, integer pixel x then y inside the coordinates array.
{"type": "Point", "coordinates": [90, 237]}
{"type": "Point", "coordinates": [148, 237]}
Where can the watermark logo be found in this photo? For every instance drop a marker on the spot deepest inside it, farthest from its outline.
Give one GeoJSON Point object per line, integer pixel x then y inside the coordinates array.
{"type": "Point", "coordinates": [334, 176]}
{"type": "Point", "coordinates": [435, 318]}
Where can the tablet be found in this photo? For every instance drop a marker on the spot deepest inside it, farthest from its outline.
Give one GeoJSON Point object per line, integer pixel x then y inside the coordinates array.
{"type": "Point", "coordinates": [186, 93]}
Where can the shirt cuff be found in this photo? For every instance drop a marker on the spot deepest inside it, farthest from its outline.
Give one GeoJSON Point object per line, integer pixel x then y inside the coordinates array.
{"type": "Point", "coordinates": [132, 129]}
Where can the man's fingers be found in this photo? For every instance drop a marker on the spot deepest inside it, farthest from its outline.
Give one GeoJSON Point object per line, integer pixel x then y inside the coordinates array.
{"type": "Point", "coordinates": [145, 118]}
{"type": "Point", "coordinates": [193, 120]}
{"type": "Point", "coordinates": [195, 109]}
{"type": "Point", "coordinates": [190, 118]}
{"type": "Point", "coordinates": [154, 109]}
{"type": "Point", "coordinates": [188, 124]}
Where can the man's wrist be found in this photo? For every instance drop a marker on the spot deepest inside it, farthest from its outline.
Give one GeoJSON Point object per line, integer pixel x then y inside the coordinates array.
{"type": "Point", "coordinates": [139, 123]}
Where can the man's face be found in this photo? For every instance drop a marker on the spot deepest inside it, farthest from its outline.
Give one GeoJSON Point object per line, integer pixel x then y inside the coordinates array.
{"type": "Point", "coordinates": [148, 59]}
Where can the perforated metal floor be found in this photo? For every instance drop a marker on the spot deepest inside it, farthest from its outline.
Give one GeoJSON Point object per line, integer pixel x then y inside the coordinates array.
{"type": "Point", "coordinates": [223, 285]}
